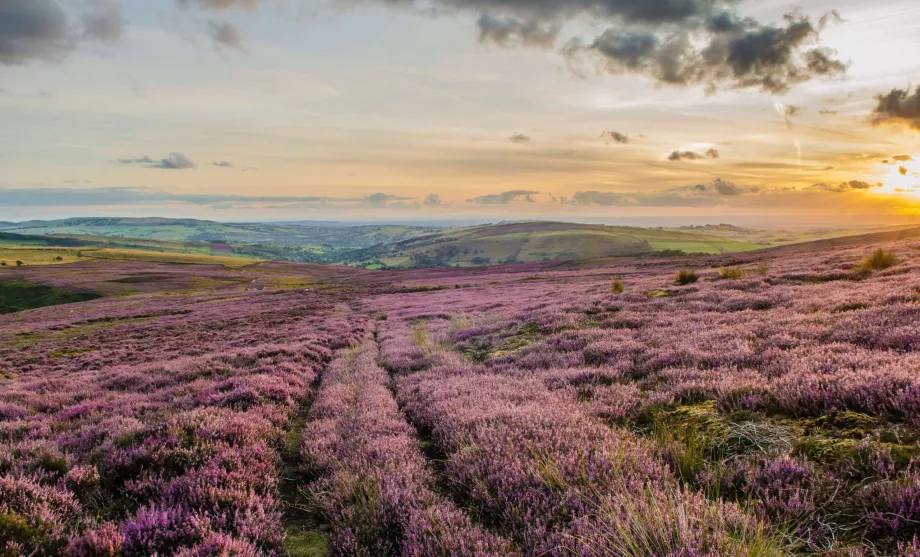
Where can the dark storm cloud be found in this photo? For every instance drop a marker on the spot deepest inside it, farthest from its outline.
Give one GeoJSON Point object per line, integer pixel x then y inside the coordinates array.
{"type": "Point", "coordinates": [175, 161]}
{"type": "Point", "coordinates": [898, 107]}
{"type": "Point", "coordinates": [693, 156]}
{"type": "Point", "coordinates": [504, 198]}
{"type": "Point", "coordinates": [510, 31]}
{"type": "Point", "coordinates": [519, 138]}
{"type": "Point", "coordinates": [225, 34]}
{"type": "Point", "coordinates": [432, 200]}
{"type": "Point", "coordinates": [33, 30]}
{"type": "Point", "coordinates": [844, 187]}
{"type": "Point", "coordinates": [616, 137]}
{"type": "Point", "coordinates": [105, 21]}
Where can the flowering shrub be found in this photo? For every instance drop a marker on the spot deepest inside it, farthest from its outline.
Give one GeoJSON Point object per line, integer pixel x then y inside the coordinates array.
{"type": "Point", "coordinates": [174, 446]}
{"type": "Point", "coordinates": [534, 411]}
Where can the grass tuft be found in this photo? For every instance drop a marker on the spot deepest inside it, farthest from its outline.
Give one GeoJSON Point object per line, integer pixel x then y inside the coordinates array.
{"type": "Point", "coordinates": [686, 276]}
{"type": "Point", "coordinates": [617, 287]}
{"type": "Point", "coordinates": [731, 273]}
{"type": "Point", "coordinates": [879, 260]}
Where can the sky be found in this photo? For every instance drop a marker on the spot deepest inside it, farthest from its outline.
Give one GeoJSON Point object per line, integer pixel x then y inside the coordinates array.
{"type": "Point", "coordinates": [752, 112]}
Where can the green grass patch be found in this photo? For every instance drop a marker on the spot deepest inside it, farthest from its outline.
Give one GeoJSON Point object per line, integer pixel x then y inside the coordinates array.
{"type": "Point", "coordinates": [306, 543]}
{"type": "Point", "coordinates": [19, 296]}
{"type": "Point", "coordinates": [70, 353]}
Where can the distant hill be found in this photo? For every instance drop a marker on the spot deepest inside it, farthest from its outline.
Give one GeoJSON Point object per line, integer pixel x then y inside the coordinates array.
{"type": "Point", "coordinates": [376, 246]}
{"type": "Point", "coordinates": [538, 241]}
{"type": "Point", "coordinates": [333, 234]}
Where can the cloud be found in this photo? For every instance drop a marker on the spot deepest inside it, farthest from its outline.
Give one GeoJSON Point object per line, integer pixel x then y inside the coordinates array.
{"type": "Point", "coordinates": [33, 30]}
{"type": "Point", "coordinates": [684, 196]}
{"type": "Point", "coordinates": [828, 112]}
{"type": "Point", "coordinates": [843, 187]}
{"type": "Point", "coordinates": [225, 34]}
{"type": "Point", "coordinates": [141, 160]}
{"type": "Point", "coordinates": [711, 153]}
{"type": "Point", "coordinates": [433, 200]}
{"type": "Point", "coordinates": [519, 138]}
{"type": "Point", "coordinates": [175, 161]}
{"type": "Point", "coordinates": [222, 164]}
{"type": "Point", "coordinates": [616, 137]}
{"type": "Point", "coordinates": [902, 158]}
{"type": "Point", "coordinates": [897, 107]}
{"type": "Point", "coordinates": [381, 200]}
{"type": "Point", "coordinates": [510, 31]}
{"type": "Point", "coordinates": [733, 54]}
{"type": "Point", "coordinates": [105, 22]}
{"type": "Point", "coordinates": [670, 42]}
{"type": "Point", "coordinates": [903, 170]}
{"type": "Point", "coordinates": [504, 198]}
{"type": "Point", "coordinates": [724, 187]}
{"type": "Point", "coordinates": [219, 4]}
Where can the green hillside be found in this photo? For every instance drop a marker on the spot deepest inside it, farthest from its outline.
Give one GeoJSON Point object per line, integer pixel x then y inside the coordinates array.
{"type": "Point", "coordinates": [539, 241]}
{"type": "Point", "coordinates": [320, 236]}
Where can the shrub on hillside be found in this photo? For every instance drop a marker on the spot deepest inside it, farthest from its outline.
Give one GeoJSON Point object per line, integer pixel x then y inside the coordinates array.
{"type": "Point", "coordinates": [879, 260]}
{"type": "Point", "coordinates": [731, 273]}
{"type": "Point", "coordinates": [686, 276]}
{"type": "Point", "coordinates": [617, 287]}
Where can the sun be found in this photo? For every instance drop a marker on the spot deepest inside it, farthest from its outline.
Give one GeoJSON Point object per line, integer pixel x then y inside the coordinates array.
{"type": "Point", "coordinates": [901, 177]}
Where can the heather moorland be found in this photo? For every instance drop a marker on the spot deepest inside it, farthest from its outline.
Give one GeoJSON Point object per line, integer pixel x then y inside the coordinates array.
{"type": "Point", "coordinates": [764, 403]}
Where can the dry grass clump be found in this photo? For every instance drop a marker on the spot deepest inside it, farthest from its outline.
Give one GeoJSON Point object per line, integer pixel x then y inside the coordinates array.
{"type": "Point", "coordinates": [686, 276]}
{"type": "Point", "coordinates": [879, 260]}
{"type": "Point", "coordinates": [731, 273]}
{"type": "Point", "coordinates": [617, 287]}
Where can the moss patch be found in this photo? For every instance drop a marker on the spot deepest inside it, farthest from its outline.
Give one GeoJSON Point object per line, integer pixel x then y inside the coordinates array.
{"type": "Point", "coordinates": [306, 543]}
{"type": "Point", "coordinates": [69, 353]}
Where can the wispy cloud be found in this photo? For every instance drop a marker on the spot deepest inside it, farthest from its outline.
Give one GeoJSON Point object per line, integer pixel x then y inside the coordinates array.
{"type": "Point", "coordinates": [175, 161]}
{"type": "Point", "coordinates": [504, 198]}
{"type": "Point", "coordinates": [693, 156]}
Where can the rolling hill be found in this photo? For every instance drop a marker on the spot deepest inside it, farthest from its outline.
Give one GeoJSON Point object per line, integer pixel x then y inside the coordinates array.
{"type": "Point", "coordinates": [398, 246]}
{"type": "Point", "coordinates": [320, 235]}
{"type": "Point", "coordinates": [522, 242]}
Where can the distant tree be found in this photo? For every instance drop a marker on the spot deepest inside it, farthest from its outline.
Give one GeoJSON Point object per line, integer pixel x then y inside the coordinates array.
{"type": "Point", "coordinates": [59, 258]}
{"type": "Point", "coordinates": [2, 263]}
